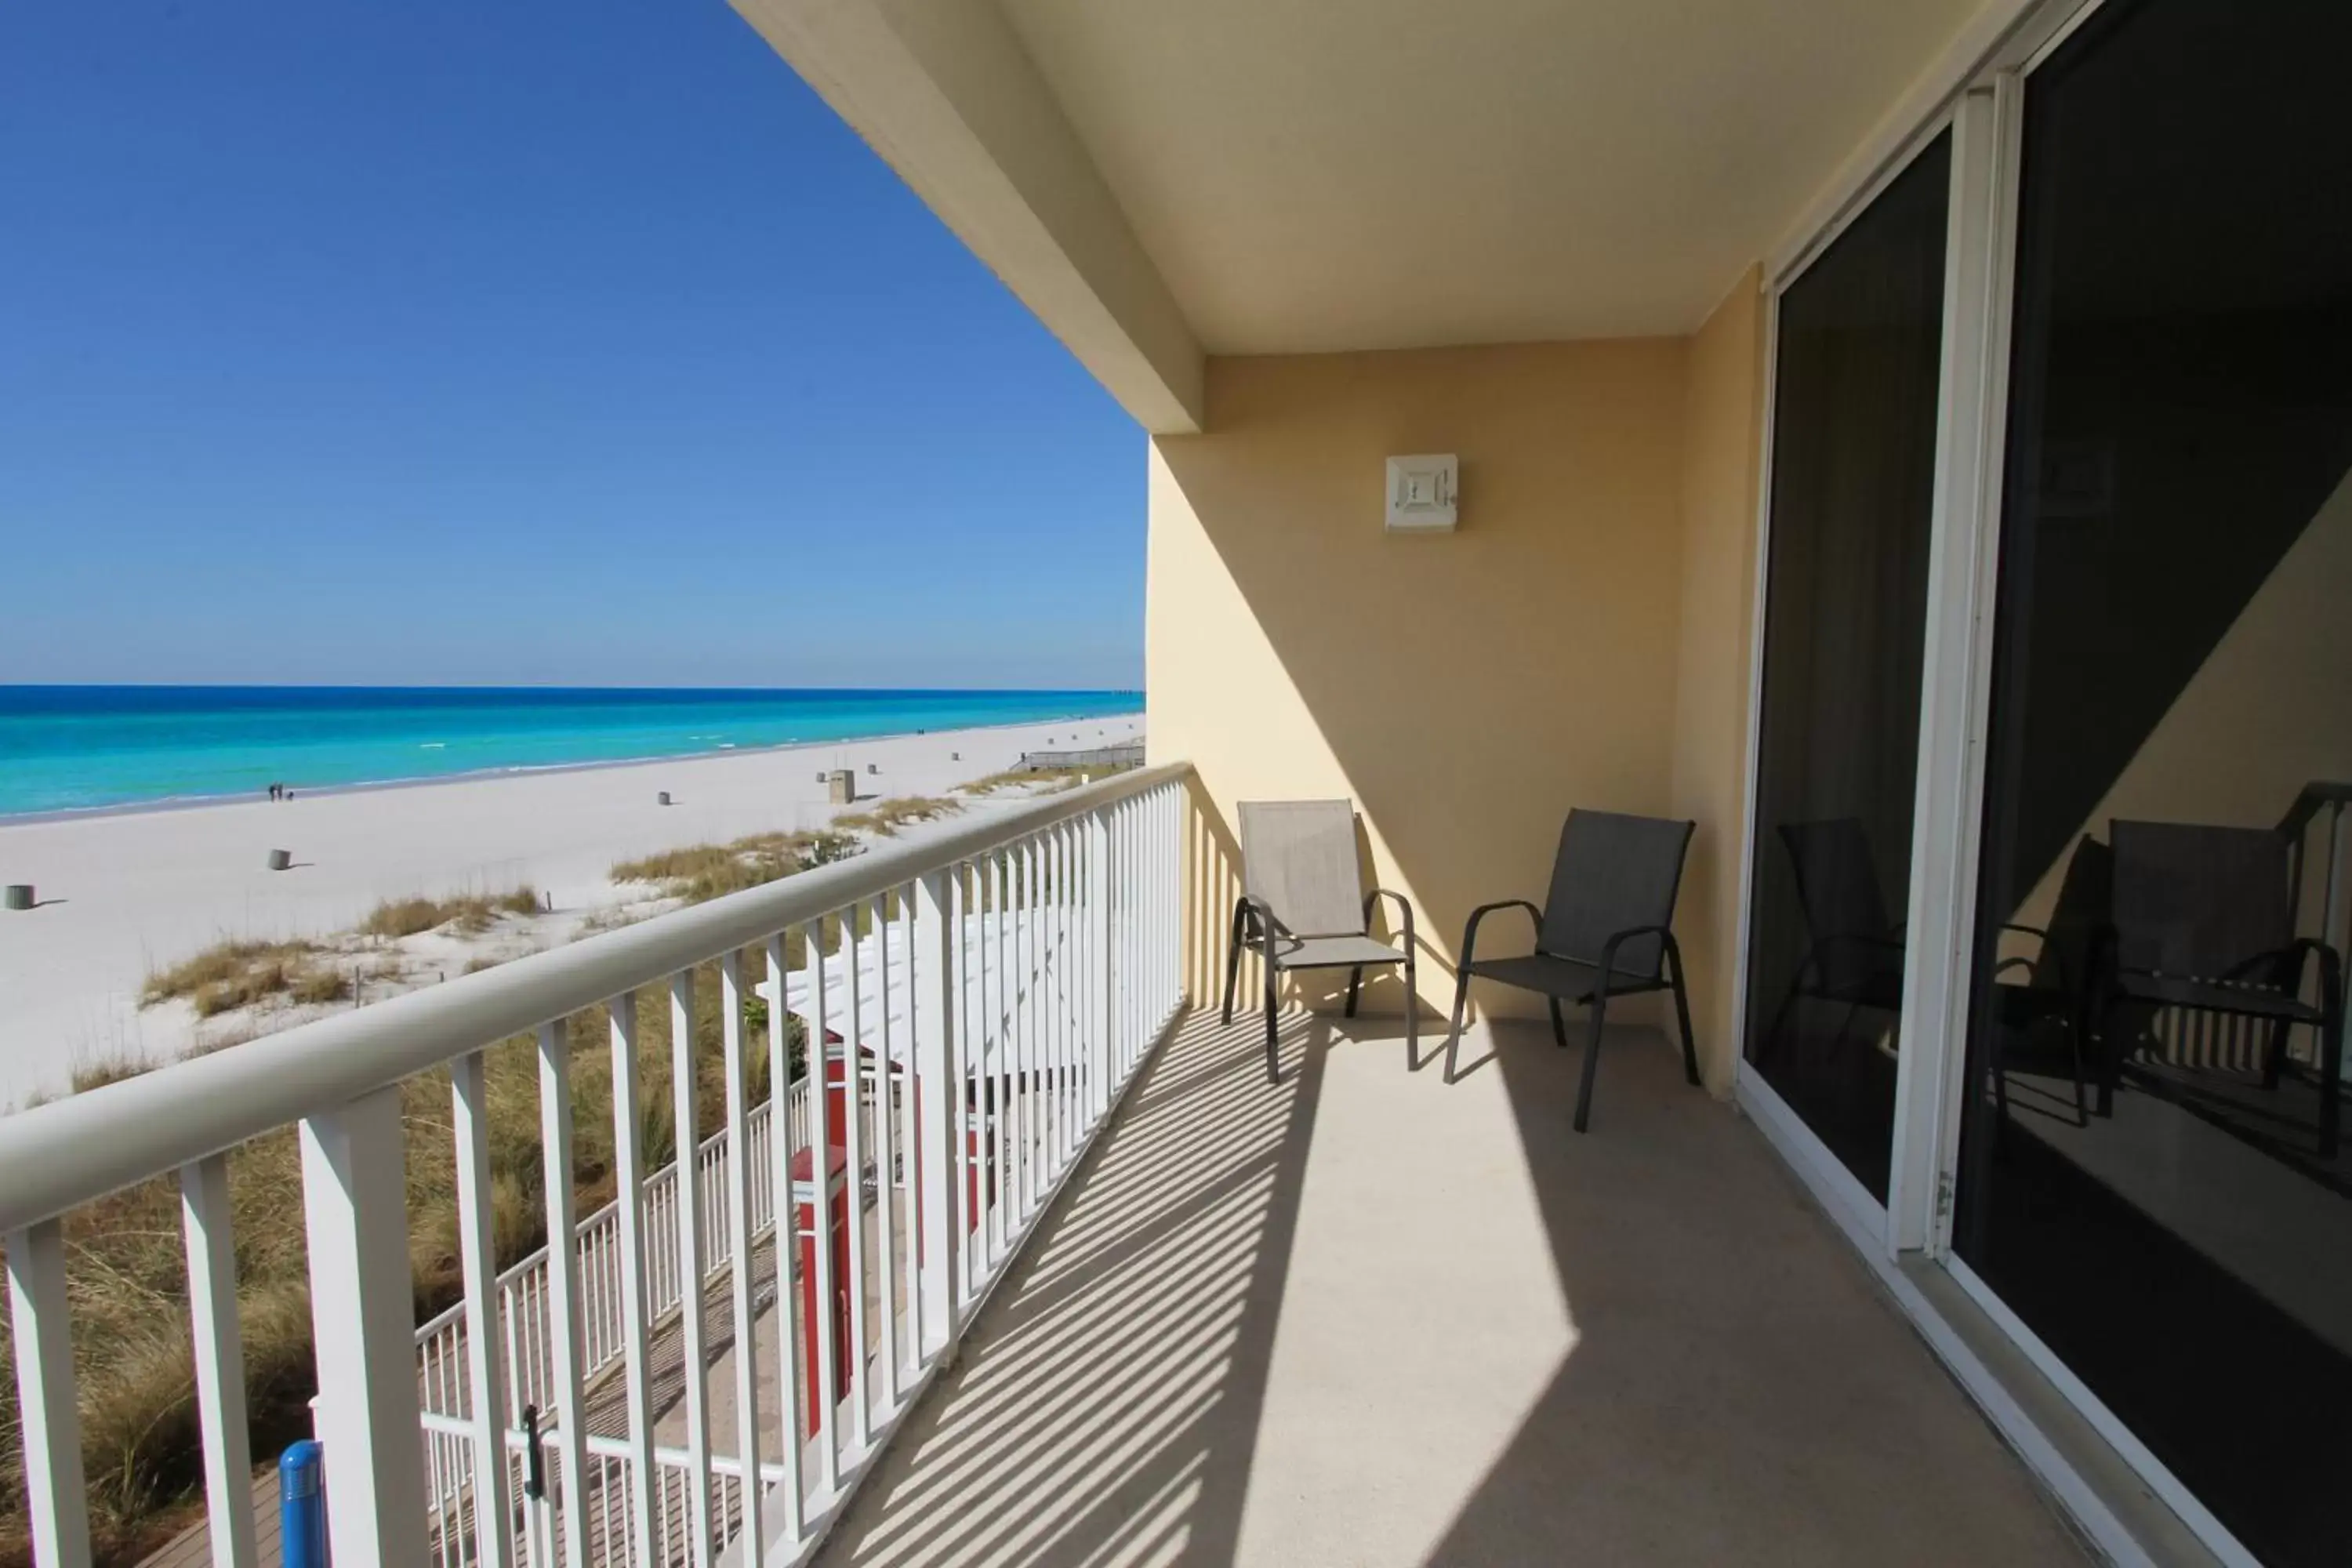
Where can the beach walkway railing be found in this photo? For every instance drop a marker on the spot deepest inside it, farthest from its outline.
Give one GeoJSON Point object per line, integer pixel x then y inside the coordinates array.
{"type": "Point", "coordinates": [675, 1385]}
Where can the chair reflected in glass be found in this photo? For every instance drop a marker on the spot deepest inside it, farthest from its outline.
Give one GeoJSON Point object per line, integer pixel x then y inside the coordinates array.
{"type": "Point", "coordinates": [2041, 1002]}
{"type": "Point", "coordinates": [1854, 952]}
{"type": "Point", "coordinates": [2204, 929]}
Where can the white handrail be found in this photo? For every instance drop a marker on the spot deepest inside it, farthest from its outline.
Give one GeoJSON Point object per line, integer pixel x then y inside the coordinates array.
{"type": "Point", "coordinates": [75, 1150]}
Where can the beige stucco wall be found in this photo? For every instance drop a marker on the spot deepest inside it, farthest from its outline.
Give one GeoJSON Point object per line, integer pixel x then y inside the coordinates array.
{"type": "Point", "coordinates": [1465, 690]}
{"type": "Point", "coordinates": [1723, 416]}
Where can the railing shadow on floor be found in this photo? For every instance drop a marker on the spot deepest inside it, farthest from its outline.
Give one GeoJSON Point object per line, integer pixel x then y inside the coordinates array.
{"type": "Point", "coordinates": [1107, 1406]}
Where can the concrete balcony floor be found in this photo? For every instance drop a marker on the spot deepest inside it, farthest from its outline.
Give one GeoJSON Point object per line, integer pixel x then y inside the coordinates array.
{"type": "Point", "coordinates": [1368, 1317]}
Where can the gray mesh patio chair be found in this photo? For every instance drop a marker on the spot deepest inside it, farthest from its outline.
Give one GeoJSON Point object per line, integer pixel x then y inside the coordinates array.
{"type": "Point", "coordinates": [1603, 932]}
{"type": "Point", "coordinates": [2205, 922]}
{"type": "Point", "coordinates": [1304, 906]}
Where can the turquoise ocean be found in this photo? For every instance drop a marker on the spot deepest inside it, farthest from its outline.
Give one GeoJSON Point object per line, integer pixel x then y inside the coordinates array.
{"type": "Point", "coordinates": [86, 748]}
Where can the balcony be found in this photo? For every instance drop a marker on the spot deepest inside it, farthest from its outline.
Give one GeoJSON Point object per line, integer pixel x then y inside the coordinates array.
{"type": "Point", "coordinates": [1370, 1318]}
{"type": "Point", "coordinates": [1109, 1296]}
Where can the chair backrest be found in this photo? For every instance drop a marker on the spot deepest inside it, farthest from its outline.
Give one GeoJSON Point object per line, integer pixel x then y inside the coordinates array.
{"type": "Point", "coordinates": [1613, 872]}
{"type": "Point", "coordinates": [2084, 907]}
{"type": "Point", "coordinates": [1299, 856]}
{"type": "Point", "coordinates": [2197, 900]}
{"type": "Point", "coordinates": [1837, 877]}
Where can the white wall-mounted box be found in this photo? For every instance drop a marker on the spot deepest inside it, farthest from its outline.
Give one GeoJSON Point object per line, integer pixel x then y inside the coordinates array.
{"type": "Point", "coordinates": [1422, 493]}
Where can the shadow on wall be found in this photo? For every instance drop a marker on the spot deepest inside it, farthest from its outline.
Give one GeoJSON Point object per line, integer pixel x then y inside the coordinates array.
{"type": "Point", "coordinates": [1466, 690]}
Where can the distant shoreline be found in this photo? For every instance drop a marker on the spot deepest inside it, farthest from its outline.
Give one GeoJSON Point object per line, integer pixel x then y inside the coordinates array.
{"type": "Point", "coordinates": [124, 893]}
{"type": "Point", "coordinates": [200, 800]}
{"type": "Point", "coordinates": [490, 775]}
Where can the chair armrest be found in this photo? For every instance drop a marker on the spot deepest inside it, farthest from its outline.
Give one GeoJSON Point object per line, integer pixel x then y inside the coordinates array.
{"type": "Point", "coordinates": [1618, 939]}
{"type": "Point", "coordinates": [2050, 954]}
{"type": "Point", "coordinates": [1403, 903]}
{"type": "Point", "coordinates": [1259, 909]}
{"type": "Point", "coordinates": [1478, 915]}
{"type": "Point", "coordinates": [2331, 970]}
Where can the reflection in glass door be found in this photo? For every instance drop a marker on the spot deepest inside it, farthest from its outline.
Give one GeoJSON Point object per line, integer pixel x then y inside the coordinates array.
{"type": "Point", "coordinates": [2154, 1174]}
{"type": "Point", "coordinates": [1852, 470]}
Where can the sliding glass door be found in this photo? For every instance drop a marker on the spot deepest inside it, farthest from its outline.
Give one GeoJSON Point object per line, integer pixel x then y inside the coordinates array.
{"type": "Point", "coordinates": [1852, 473]}
{"type": "Point", "coordinates": [2155, 1175]}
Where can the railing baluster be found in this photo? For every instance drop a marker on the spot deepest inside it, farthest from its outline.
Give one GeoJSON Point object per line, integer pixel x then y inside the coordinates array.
{"type": "Point", "coordinates": [740, 1166]}
{"type": "Point", "coordinates": [50, 1419]}
{"type": "Point", "coordinates": [887, 1088]}
{"type": "Point", "coordinates": [363, 1328]}
{"type": "Point", "coordinates": [911, 1123]}
{"type": "Point", "coordinates": [692, 1331]}
{"type": "Point", "coordinates": [934, 961]}
{"type": "Point", "coordinates": [1063, 1071]}
{"type": "Point", "coordinates": [787, 1221]}
{"type": "Point", "coordinates": [1098, 969]}
{"type": "Point", "coordinates": [853, 1101]}
{"type": "Point", "coordinates": [629, 1172]}
{"type": "Point", "coordinates": [564, 1283]}
{"type": "Point", "coordinates": [1024, 1008]}
{"type": "Point", "coordinates": [819, 1080]}
{"type": "Point", "coordinates": [204, 1212]}
{"type": "Point", "coordinates": [486, 1368]}
{"type": "Point", "coordinates": [995, 1107]}
{"type": "Point", "coordinates": [959, 1036]}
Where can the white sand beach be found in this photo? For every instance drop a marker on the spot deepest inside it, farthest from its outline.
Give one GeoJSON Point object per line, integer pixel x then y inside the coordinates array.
{"type": "Point", "coordinates": [123, 895]}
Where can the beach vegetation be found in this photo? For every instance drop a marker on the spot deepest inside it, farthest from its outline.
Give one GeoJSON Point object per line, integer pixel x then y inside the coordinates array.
{"type": "Point", "coordinates": [702, 872]}
{"type": "Point", "coordinates": [470, 914]}
{"type": "Point", "coordinates": [235, 974]}
{"type": "Point", "coordinates": [1042, 781]}
{"type": "Point", "coordinates": [885, 818]}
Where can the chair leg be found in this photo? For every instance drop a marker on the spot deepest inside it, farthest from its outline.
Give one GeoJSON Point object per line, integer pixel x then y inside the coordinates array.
{"type": "Point", "coordinates": [2082, 1101]}
{"type": "Point", "coordinates": [1592, 1059]}
{"type": "Point", "coordinates": [1412, 1019]}
{"type": "Point", "coordinates": [1682, 1021]}
{"type": "Point", "coordinates": [2331, 1073]}
{"type": "Point", "coordinates": [1559, 1024]}
{"type": "Point", "coordinates": [1461, 1005]}
{"type": "Point", "coordinates": [1355, 984]}
{"type": "Point", "coordinates": [1234, 959]}
{"type": "Point", "coordinates": [1273, 1054]}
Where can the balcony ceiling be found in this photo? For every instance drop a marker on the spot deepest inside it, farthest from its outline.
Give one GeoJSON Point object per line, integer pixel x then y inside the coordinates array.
{"type": "Point", "coordinates": [1382, 173]}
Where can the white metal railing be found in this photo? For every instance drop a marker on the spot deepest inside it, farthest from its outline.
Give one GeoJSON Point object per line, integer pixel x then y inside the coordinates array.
{"type": "Point", "coordinates": [1005, 980]}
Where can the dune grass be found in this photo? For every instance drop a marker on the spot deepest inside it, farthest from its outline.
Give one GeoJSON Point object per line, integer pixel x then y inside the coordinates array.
{"type": "Point", "coordinates": [233, 973]}
{"type": "Point", "coordinates": [705, 871]}
{"type": "Point", "coordinates": [126, 1269]}
{"type": "Point", "coordinates": [886, 817]}
{"type": "Point", "coordinates": [1055, 779]}
{"type": "Point", "coordinates": [470, 914]}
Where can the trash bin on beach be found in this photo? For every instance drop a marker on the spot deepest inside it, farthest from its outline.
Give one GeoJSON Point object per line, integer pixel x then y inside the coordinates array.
{"type": "Point", "coordinates": [662, 798]}
{"type": "Point", "coordinates": [20, 895]}
{"type": "Point", "coordinates": [280, 859]}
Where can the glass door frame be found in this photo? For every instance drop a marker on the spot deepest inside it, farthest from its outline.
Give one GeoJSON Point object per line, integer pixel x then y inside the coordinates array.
{"type": "Point", "coordinates": [1856, 1208]}
{"type": "Point", "coordinates": [1977, 91]}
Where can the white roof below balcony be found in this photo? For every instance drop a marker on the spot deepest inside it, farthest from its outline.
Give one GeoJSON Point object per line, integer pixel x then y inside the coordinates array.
{"type": "Point", "coordinates": [1260, 176]}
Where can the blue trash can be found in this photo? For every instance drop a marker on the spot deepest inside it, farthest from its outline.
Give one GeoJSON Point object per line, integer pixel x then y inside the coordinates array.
{"type": "Point", "coordinates": [302, 1505]}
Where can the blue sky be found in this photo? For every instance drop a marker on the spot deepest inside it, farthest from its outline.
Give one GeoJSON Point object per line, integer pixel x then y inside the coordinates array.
{"type": "Point", "coordinates": [515, 343]}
